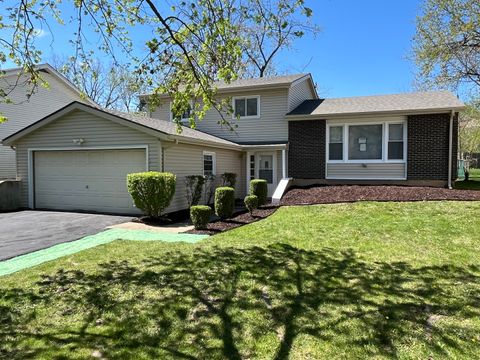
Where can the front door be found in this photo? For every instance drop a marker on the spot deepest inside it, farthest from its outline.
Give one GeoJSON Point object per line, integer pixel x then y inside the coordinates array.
{"type": "Point", "coordinates": [266, 166]}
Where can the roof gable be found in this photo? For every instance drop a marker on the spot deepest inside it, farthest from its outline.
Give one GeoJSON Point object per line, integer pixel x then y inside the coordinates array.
{"type": "Point", "coordinates": [155, 127]}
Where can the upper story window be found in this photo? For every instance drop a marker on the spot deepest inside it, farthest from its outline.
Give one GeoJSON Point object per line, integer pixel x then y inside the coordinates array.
{"type": "Point", "coordinates": [246, 107]}
{"type": "Point", "coordinates": [369, 142]}
{"type": "Point", "coordinates": [184, 117]}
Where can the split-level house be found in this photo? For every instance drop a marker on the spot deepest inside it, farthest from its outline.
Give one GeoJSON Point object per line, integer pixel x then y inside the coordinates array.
{"type": "Point", "coordinates": [77, 158]}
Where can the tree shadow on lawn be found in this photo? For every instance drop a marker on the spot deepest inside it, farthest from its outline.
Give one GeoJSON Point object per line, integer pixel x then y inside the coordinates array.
{"type": "Point", "coordinates": [240, 303]}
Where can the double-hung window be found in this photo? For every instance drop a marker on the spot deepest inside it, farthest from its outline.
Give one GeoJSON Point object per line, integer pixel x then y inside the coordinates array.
{"type": "Point", "coordinates": [395, 142]}
{"type": "Point", "coordinates": [209, 166]}
{"type": "Point", "coordinates": [335, 144]}
{"type": "Point", "coordinates": [246, 107]}
{"type": "Point", "coordinates": [368, 142]}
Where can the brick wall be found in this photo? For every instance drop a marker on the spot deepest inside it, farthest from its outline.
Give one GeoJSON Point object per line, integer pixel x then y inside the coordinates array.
{"type": "Point", "coordinates": [428, 147]}
{"type": "Point", "coordinates": [306, 152]}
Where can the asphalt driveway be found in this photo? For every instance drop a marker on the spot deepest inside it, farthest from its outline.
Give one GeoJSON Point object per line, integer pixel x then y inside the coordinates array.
{"type": "Point", "coordinates": [26, 231]}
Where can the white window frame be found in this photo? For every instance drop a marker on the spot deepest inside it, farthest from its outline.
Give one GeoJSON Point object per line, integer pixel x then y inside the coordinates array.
{"type": "Point", "coordinates": [185, 121]}
{"type": "Point", "coordinates": [385, 129]}
{"type": "Point", "coordinates": [246, 98]}
{"type": "Point", "coordinates": [214, 160]}
{"type": "Point", "coordinates": [387, 136]}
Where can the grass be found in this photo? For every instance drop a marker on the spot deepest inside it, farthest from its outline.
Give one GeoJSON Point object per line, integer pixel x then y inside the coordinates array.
{"type": "Point", "coordinates": [376, 280]}
{"type": "Point", "coordinates": [472, 184]}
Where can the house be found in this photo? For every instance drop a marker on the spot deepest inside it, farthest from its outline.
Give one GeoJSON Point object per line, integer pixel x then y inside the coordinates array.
{"type": "Point", "coordinates": [24, 109]}
{"type": "Point", "coordinates": [77, 157]}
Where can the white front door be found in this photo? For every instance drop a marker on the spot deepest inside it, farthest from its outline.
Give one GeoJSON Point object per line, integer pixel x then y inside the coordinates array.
{"type": "Point", "coordinates": [267, 169]}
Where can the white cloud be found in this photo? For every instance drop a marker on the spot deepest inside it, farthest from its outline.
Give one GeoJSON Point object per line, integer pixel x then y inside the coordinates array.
{"type": "Point", "coordinates": [40, 33]}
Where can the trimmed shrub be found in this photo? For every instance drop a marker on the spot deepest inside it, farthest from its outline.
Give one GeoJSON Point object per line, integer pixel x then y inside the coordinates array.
{"type": "Point", "coordinates": [229, 179]}
{"type": "Point", "coordinates": [259, 187]}
{"type": "Point", "coordinates": [224, 202]}
{"type": "Point", "coordinates": [194, 189]}
{"type": "Point", "coordinates": [151, 191]}
{"type": "Point", "coordinates": [200, 216]}
{"type": "Point", "coordinates": [251, 203]}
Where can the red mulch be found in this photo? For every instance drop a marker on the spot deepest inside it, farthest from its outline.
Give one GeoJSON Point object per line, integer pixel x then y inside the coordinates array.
{"type": "Point", "coordinates": [239, 219]}
{"type": "Point", "coordinates": [352, 193]}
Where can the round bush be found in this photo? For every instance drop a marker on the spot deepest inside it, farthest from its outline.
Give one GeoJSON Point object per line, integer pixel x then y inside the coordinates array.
{"type": "Point", "coordinates": [152, 192]}
{"type": "Point", "coordinates": [259, 188]}
{"type": "Point", "coordinates": [224, 202]}
{"type": "Point", "coordinates": [200, 216]}
{"type": "Point", "coordinates": [251, 202]}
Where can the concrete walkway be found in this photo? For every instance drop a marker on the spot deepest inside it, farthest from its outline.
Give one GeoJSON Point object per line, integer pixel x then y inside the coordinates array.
{"type": "Point", "coordinates": [54, 252]}
{"type": "Point", "coordinates": [176, 228]}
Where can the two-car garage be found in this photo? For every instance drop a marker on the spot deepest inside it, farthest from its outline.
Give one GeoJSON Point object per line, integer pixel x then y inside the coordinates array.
{"type": "Point", "coordinates": [88, 180]}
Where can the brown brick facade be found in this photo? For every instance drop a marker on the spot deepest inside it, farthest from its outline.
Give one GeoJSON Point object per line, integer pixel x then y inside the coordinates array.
{"type": "Point", "coordinates": [428, 137]}
{"type": "Point", "coordinates": [306, 152]}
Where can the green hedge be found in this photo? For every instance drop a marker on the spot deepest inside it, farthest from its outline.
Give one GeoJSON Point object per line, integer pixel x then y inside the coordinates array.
{"type": "Point", "coordinates": [200, 216]}
{"type": "Point", "coordinates": [251, 203]}
{"type": "Point", "coordinates": [224, 202]}
{"type": "Point", "coordinates": [152, 192]}
{"type": "Point", "coordinates": [259, 188]}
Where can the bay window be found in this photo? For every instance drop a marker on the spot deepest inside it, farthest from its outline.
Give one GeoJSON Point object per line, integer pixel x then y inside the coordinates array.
{"type": "Point", "coordinates": [366, 142]}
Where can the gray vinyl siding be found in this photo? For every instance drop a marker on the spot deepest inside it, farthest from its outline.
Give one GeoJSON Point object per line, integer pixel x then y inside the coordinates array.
{"type": "Point", "coordinates": [366, 171]}
{"type": "Point", "coordinates": [96, 131]}
{"type": "Point", "coordinates": [23, 112]}
{"type": "Point", "coordinates": [271, 126]}
{"type": "Point", "coordinates": [299, 92]}
{"type": "Point", "coordinates": [185, 159]}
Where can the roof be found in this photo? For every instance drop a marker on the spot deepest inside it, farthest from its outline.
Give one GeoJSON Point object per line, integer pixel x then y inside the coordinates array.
{"type": "Point", "coordinates": [257, 83]}
{"type": "Point", "coordinates": [396, 103]}
{"type": "Point", "coordinates": [166, 127]}
{"type": "Point", "coordinates": [159, 126]}
{"type": "Point", "coordinates": [50, 69]}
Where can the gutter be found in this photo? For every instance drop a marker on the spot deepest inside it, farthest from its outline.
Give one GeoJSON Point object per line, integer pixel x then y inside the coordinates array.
{"type": "Point", "coordinates": [450, 149]}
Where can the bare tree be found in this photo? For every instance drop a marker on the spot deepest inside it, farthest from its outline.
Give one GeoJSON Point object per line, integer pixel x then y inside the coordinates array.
{"type": "Point", "coordinates": [269, 27]}
{"type": "Point", "coordinates": [113, 86]}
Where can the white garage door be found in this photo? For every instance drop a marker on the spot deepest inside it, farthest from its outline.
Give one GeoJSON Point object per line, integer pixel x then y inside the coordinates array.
{"type": "Point", "coordinates": [90, 180]}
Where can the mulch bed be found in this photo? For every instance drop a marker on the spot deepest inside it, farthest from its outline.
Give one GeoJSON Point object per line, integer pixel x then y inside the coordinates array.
{"type": "Point", "coordinates": [239, 219]}
{"type": "Point", "coordinates": [352, 193]}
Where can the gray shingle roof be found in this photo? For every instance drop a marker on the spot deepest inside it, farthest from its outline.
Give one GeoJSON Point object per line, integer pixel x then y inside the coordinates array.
{"type": "Point", "coordinates": [420, 101]}
{"type": "Point", "coordinates": [265, 81]}
{"type": "Point", "coordinates": [166, 127]}
{"type": "Point", "coordinates": [284, 80]}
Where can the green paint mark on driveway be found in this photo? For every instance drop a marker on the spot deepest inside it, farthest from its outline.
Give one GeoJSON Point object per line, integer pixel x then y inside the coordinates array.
{"type": "Point", "coordinates": [54, 252]}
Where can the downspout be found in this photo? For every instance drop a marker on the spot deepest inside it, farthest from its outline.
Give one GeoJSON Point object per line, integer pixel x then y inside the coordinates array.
{"type": "Point", "coordinates": [450, 149]}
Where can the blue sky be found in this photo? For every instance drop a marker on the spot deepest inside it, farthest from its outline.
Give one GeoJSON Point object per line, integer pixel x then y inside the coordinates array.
{"type": "Point", "coordinates": [363, 47]}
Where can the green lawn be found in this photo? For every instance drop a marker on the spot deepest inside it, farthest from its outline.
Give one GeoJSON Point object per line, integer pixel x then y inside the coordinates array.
{"type": "Point", "coordinates": [472, 184]}
{"type": "Point", "coordinates": [363, 280]}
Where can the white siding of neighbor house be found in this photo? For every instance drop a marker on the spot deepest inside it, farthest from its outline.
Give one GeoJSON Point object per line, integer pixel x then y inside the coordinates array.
{"type": "Point", "coordinates": [367, 170]}
{"type": "Point", "coordinates": [299, 92]}
{"type": "Point", "coordinates": [270, 126]}
{"type": "Point", "coordinates": [186, 159]}
{"type": "Point", "coordinates": [23, 112]}
{"type": "Point", "coordinates": [96, 131]}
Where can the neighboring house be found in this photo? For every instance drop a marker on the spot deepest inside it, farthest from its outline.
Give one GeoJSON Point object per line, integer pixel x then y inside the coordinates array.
{"type": "Point", "coordinates": [77, 158]}
{"type": "Point", "coordinates": [24, 110]}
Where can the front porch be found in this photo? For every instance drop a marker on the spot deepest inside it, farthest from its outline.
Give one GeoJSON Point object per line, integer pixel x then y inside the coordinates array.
{"type": "Point", "coordinates": [268, 162]}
